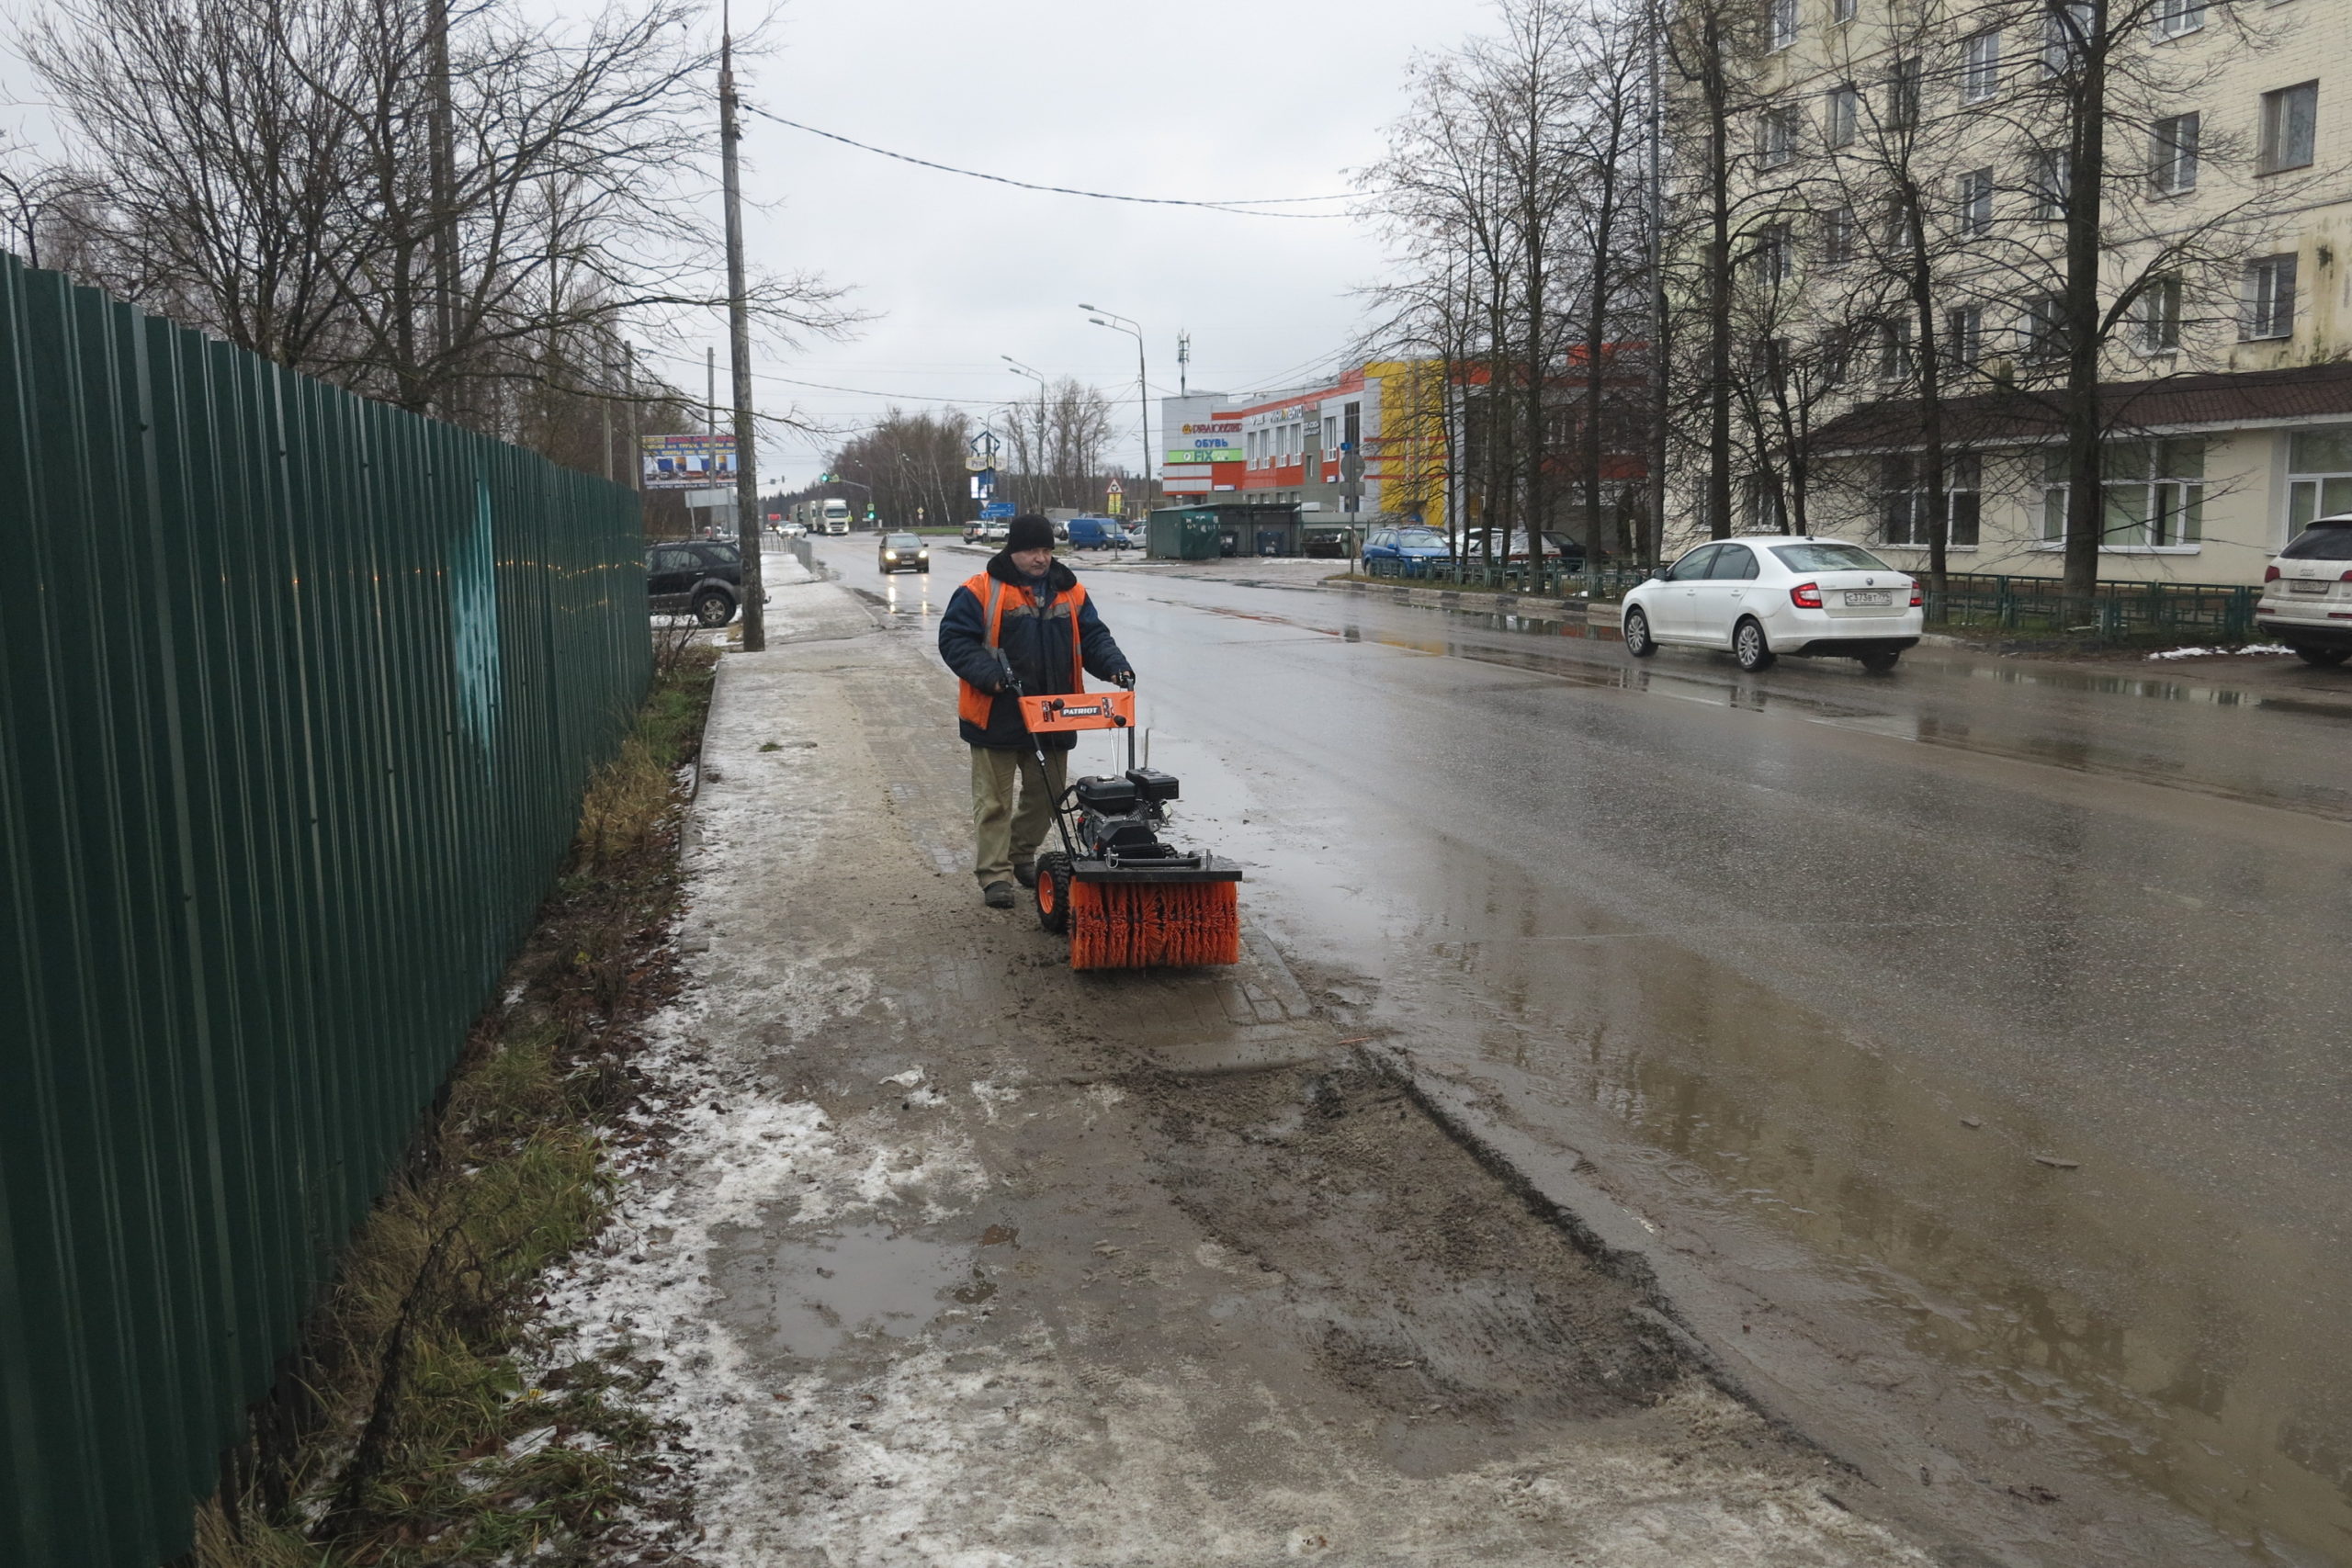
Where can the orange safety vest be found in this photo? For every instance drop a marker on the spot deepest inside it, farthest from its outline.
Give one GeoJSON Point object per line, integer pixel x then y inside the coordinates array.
{"type": "Point", "coordinates": [972, 705]}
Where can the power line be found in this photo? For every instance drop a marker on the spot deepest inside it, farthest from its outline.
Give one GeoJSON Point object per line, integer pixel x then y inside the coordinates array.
{"type": "Point", "coordinates": [1240, 206]}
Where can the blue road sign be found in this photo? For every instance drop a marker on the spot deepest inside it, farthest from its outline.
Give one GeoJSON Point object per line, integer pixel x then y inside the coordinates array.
{"type": "Point", "coordinates": [994, 510]}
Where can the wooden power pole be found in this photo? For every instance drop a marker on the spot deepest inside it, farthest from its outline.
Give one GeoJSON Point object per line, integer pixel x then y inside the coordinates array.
{"type": "Point", "coordinates": [739, 343]}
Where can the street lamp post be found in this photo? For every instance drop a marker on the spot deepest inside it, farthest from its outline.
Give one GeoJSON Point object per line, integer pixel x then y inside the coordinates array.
{"type": "Point", "coordinates": [1118, 323]}
{"type": "Point", "coordinates": [1021, 369]}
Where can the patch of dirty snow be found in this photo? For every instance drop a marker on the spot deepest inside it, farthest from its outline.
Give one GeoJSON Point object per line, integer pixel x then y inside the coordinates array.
{"type": "Point", "coordinates": [2221, 652]}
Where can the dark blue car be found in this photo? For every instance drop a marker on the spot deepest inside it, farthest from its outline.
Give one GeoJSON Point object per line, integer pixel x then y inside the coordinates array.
{"type": "Point", "coordinates": [1415, 550]}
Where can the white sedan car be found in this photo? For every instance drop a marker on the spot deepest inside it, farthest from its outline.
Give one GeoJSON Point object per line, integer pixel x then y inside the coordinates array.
{"type": "Point", "coordinates": [1767, 594]}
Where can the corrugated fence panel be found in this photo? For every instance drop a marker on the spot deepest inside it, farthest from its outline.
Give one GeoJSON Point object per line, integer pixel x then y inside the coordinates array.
{"type": "Point", "coordinates": [298, 698]}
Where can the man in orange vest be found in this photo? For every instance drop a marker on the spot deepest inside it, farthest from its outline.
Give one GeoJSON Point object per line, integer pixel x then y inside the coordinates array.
{"type": "Point", "coordinates": [1028, 608]}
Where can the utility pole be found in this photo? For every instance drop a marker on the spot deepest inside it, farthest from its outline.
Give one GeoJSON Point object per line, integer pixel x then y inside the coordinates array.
{"type": "Point", "coordinates": [635, 447]}
{"type": "Point", "coordinates": [1183, 362]}
{"type": "Point", "coordinates": [738, 345]}
{"type": "Point", "coordinates": [608, 401]}
{"type": "Point", "coordinates": [441, 150]}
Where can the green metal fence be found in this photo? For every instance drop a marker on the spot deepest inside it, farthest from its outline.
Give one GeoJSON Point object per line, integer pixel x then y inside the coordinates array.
{"type": "Point", "coordinates": [299, 693]}
{"type": "Point", "coordinates": [2223, 612]}
{"type": "Point", "coordinates": [1550, 580]}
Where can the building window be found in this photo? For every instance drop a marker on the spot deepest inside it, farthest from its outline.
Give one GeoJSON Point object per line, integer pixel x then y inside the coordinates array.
{"type": "Point", "coordinates": [1841, 10]}
{"type": "Point", "coordinates": [2319, 475]}
{"type": "Point", "coordinates": [1772, 253]}
{"type": "Point", "coordinates": [1780, 136]}
{"type": "Point", "coordinates": [2155, 493]}
{"type": "Point", "coordinates": [1330, 431]}
{"type": "Point", "coordinates": [1906, 516]}
{"type": "Point", "coordinates": [1964, 500]}
{"type": "Point", "coordinates": [2152, 494]}
{"type": "Point", "coordinates": [2269, 298]}
{"type": "Point", "coordinates": [1976, 202]}
{"type": "Point", "coordinates": [1903, 93]}
{"type": "Point", "coordinates": [2052, 176]}
{"type": "Point", "coordinates": [1965, 337]}
{"type": "Point", "coordinates": [2159, 312]}
{"type": "Point", "coordinates": [2174, 18]}
{"type": "Point", "coordinates": [1902, 227]}
{"type": "Point", "coordinates": [2173, 157]}
{"type": "Point", "coordinates": [2065, 36]}
{"type": "Point", "coordinates": [1845, 112]}
{"type": "Point", "coordinates": [2290, 128]}
{"type": "Point", "coordinates": [1837, 236]}
{"type": "Point", "coordinates": [1895, 349]}
{"type": "Point", "coordinates": [1980, 66]}
{"type": "Point", "coordinates": [1779, 25]}
{"type": "Point", "coordinates": [2044, 331]}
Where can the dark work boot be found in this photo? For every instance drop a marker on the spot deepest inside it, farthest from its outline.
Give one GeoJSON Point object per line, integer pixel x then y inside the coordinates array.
{"type": "Point", "coordinates": [999, 895]}
{"type": "Point", "coordinates": [1024, 872]}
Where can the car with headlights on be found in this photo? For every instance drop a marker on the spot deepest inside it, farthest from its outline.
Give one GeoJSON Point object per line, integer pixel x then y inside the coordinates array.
{"type": "Point", "coordinates": [2307, 593]}
{"type": "Point", "coordinates": [902, 552]}
{"type": "Point", "coordinates": [1766, 595]}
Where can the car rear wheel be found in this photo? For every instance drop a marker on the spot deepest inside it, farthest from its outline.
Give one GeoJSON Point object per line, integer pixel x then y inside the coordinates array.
{"type": "Point", "coordinates": [714, 608]}
{"type": "Point", "coordinates": [1638, 641]}
{"type": "Point", "coordinates": [1881, 661]}
{"type": "Point", "coordinates": [2325, 657]}
{"type": "Point", "coordinates": [1748, 649]}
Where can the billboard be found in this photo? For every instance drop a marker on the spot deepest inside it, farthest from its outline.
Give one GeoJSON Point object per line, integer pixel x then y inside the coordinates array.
{"type": "Point", "coordinates": [687, 462]}
{"type": "Point", "coordinates": [1210, 441]}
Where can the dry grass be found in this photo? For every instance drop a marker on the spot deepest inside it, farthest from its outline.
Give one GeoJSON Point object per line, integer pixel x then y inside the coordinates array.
{"type": "Point", "coordinates": [422, 1440]}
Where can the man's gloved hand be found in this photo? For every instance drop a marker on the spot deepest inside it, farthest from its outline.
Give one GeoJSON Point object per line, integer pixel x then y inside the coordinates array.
{"type": "Point", "coordinates": [1125, 680]}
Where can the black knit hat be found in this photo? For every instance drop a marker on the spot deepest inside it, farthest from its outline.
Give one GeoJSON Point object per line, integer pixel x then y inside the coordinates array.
{"type": "Point", "coordinates": [1029, 532]}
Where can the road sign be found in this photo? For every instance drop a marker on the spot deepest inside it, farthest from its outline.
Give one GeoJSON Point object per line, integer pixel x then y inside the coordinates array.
{"type": "Point", "coordinates": [996, 509]}
{"type": "Point", "coordinates": [982, 455]}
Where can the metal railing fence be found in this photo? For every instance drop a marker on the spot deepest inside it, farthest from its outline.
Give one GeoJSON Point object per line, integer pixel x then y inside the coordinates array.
{"type": "Point", "coordinates": [2117, 610]}
{"type": "Point", "coordinates": [1550, 580]}
{"type": "Point", "coordinates": [300, 694]}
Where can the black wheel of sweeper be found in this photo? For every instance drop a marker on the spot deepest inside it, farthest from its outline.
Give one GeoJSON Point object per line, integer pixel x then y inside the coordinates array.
{"type": "Point", "coordinates": [1053, 892]}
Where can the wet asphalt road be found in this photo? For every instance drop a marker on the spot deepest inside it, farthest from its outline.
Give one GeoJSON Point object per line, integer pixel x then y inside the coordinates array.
{"type": "Point", "coordinates": [1838, 957]}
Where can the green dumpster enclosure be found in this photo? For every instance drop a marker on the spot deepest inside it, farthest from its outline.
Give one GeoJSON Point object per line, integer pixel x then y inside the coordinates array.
{"type": "Point", "coordinates": [1183, 532]}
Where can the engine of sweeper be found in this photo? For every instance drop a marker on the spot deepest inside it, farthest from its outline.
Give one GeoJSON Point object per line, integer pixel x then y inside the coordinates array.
{"type": "Point", "coordinates": [1120, 815]}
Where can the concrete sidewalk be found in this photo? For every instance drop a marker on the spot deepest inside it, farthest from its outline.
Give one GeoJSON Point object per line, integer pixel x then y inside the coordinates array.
{"type": "Point", "coordinates": [950, 1255]}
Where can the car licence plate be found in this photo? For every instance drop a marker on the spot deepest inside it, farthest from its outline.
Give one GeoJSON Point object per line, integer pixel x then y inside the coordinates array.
{"type": "Point", "coordinates": [2307, 585]}
{"type": "Point", "coordinates": [1856, 597]}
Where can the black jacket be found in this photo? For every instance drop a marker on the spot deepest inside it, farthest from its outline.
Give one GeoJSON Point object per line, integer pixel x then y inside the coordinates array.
{"type": "Point", "coordinates": [1036, 638]}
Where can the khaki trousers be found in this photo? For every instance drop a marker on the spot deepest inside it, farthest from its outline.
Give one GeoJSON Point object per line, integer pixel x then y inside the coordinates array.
{"type": "Point", "coordinates": [1005, 836]}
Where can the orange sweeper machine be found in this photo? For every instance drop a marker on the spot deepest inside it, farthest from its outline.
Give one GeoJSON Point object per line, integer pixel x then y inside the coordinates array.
{"type": "Point", "coordinates": [1126, 898]}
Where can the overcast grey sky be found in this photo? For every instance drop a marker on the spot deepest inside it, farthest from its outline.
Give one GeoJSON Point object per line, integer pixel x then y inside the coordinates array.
{"type": "Point", "coordinates": [1213, 100]}
{"type": "Point", "coordinates": [1205, 101]}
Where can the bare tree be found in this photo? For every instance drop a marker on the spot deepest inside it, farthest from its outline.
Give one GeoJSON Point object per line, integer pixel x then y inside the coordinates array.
{"type": "Point", "coordinates": [911, 467]}
{"type": "Point", "coordinates": [430, 207]}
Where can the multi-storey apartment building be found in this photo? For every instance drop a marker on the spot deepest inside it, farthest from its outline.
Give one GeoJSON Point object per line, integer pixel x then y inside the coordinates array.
{"type": "Point", "coordinates": [1902, 187]}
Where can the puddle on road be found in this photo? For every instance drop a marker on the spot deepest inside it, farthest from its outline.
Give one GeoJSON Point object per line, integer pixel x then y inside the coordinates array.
{"type": "Point", "coordinates": [2111, 1301]}
{"type": "Point", "coordinates": [2173, 1336]}
{"type": "Point", "coordinates": [812, 1297]}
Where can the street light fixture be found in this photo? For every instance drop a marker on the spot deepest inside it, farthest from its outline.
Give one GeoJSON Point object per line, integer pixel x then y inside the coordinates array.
{"type": "Point", "coordinates": [1038, 376]}
{"type": "Point", "coordinates": [1118, 323]}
